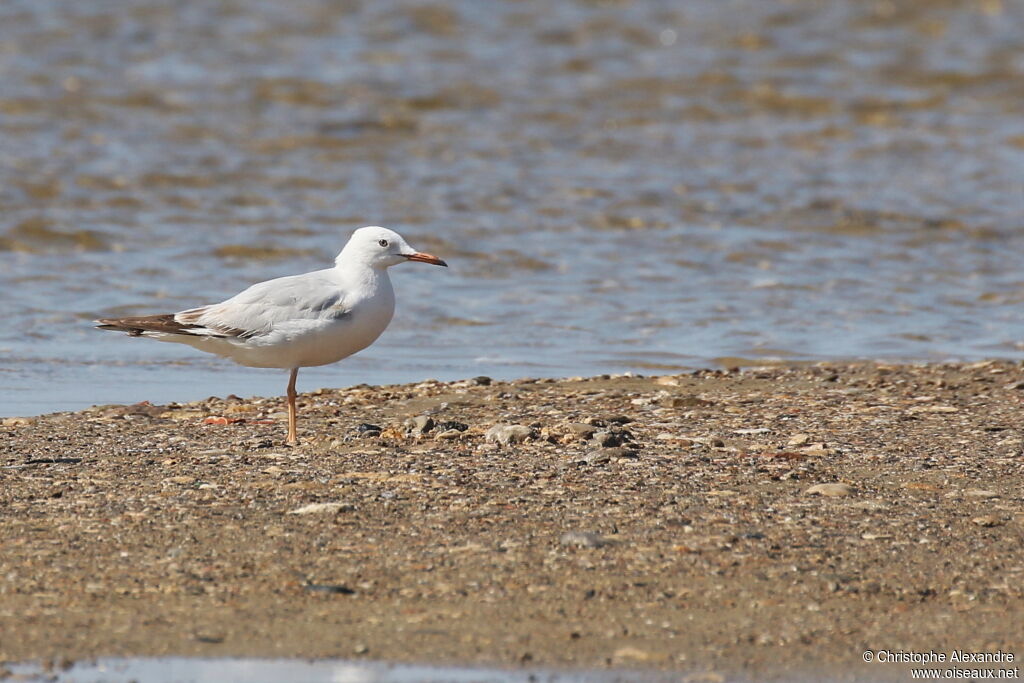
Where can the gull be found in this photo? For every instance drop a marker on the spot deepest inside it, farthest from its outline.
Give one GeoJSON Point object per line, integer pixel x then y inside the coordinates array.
{"type": "Point", "coordinates": [298, 321]}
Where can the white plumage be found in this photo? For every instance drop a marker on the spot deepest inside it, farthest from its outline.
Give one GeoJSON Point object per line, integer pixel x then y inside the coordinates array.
{"type": "Point", "coordinates": [296, 321]}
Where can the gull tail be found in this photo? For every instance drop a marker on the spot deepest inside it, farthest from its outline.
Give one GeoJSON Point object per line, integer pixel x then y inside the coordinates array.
{"type": "Point", "coordinates": [182, 324]}
{"type": "Point", "coordinates": [138, 325]}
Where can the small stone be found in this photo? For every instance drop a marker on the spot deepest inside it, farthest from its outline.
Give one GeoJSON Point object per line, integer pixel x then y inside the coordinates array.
{"type": "Point", "coordinates": [360, 649]}
{"type": "Point", "coordinates": [180, 480]}
{"type": "Point", "coordinates": [583, 539]}
{"type": "Point", "coordinates": [421, 424]}
{"type": "Point", "coordinates": [799, 440]}
{"type": "Point", "coordinates": [448, 435]}
{"type": "Point", "coordinates": [610, 439]}
{"type": "Point", "coordinates": [987, 521]}
{"type": "Point", "coordinates": [506, 434]}
{"type": "Point", "coordinates": [329, 588]}
{"type": "Point", "coordinates": [830, 490]}
{"type": "Point", "coordinates": [452, 424]}
{"type": "Point", "coordinates": [599, 457]}
{"type": "Point", "coordinates": [667, 381]}
{"type": "Point", "coordinates": [482, 381]}
{"type": "Point", "coordinates": [368, 430]}
{"type": "Point", "coordinates": [980, 493]}
{"type": "Point", "coordinates": [584, 431]}
{"type": "Point", "coordinates": [630, 654]}
{"type": "Point", "coordinates": [319, 508]}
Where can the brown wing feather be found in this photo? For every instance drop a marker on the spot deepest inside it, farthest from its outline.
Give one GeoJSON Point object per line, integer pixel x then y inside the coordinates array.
{"type": "Point", "coordinates": [136, 325]}
{"type": "Point", "coordinates": [164, 322]}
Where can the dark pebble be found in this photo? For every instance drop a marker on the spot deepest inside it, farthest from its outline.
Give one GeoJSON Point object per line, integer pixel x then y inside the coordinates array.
{"type": "Point", "coordinates": [452, 424]}
{"type": "Point", "coordinates": [335, 589]}
{"type": "Point", "coordinates": [612, 438]}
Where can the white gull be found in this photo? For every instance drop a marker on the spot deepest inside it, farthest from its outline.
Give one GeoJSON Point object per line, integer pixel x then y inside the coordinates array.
{"type": "Point", "coordinates": [297, 321]}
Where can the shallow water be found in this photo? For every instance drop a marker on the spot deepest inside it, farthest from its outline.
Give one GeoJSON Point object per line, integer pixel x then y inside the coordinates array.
{"type": "Point", "coordinates": [185, 670]}
{"type": "Point", "coordinates": [646, 186]}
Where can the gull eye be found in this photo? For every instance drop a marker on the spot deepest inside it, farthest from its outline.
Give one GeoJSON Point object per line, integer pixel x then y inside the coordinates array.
{"type": "Point", "coordinates": [383, 243]}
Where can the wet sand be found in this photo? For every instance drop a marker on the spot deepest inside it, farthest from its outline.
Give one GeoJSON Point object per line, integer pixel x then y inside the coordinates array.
{"type": "Point", "coordinates": [667, 523]}
{"type": "Point", "coordinates": [617, 185]}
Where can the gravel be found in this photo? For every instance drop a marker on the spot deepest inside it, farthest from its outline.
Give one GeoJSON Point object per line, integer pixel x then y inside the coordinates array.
{"type": "Point", "coordinates": [129, 529]}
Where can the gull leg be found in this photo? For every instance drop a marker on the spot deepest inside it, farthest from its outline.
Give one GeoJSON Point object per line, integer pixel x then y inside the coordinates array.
{"type": "Point", "coordinates": [293, 438]}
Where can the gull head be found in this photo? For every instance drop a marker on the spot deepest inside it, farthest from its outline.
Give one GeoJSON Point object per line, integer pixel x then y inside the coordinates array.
{"type": "Point", "coordinates": [380, 248]}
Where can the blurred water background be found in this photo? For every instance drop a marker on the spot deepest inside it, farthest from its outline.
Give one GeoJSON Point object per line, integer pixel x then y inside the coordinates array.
{"type": "Point", "coordinates": [646, 185]}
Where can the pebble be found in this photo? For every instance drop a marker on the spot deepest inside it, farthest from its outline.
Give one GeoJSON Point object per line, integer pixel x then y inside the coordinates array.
{"type": "Point", "coordinates": [583, 539]}
{"type": "Point", "coordinates": [452, 424]}
{"type": "Point", "coordinates": [507, 434]}
{"type": "Point", "coordinates": [317, 508]}
{"type": "Point", "coordinates": [630, 654]}
{"type": "Point", "coordinates": [421, 424]}
{"type": "Point", "coordinates": [799, 440]}
{"type": "Point", "coordinates": [448, 435]}
{"type": "Point", "coordinates": [831, 490]}
{"type": "Point", "coordinates": [584, 431]}
{"type": "Point", "coordinates": [368, 430]}
{"type": "Point", "coordinates": [987, 521]}
{"type": "Point", "coordinates": [980, 493]}
{"type": "Point", "coordinates": [609, 439]}
{"type": "Point", "coordinates": [597, 457]}
{"type": "Point", "coordinates": [334, 589]}
{"type": "Point", "coordinates": [683, 402]}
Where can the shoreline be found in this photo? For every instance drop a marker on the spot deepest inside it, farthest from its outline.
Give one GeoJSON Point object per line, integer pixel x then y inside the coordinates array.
{"type": "Point", "coordinates": [759, 523]}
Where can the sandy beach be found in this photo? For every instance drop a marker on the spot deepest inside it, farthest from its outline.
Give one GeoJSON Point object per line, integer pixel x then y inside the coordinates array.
{"type": "Point", "coordinates": [762, 523]}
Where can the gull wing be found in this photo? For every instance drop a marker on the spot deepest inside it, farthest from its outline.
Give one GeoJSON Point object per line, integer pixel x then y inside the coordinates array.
{"type": "Point", "coordinates": [266, 305]}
